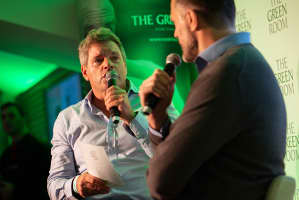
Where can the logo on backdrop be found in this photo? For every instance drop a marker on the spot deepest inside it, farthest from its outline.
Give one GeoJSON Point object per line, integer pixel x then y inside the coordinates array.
{"type": "Point", "coordinates": [277, 16]}
{"type": "Point", "coordinates": [243, 24]}
{"type": "Point", "coordinates": [285, 77]}
{"type": "Point", "coordinates": [292, 155]}
{"type": "Point", "coordinates": [157, 25]}
{"type": "Point", "coordinates": [161, 22]}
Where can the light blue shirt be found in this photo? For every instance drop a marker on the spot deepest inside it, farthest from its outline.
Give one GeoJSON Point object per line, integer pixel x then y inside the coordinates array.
{"type": "Point", "coordinates": [219, 47]}
{"type": "Point", "coordinates": [84, 123]}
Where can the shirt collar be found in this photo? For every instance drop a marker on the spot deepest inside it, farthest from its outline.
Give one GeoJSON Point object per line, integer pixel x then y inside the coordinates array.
{"type": "Point", "coordinates": [219, 47]}
{"type": "Point", "coordinates": [132, 88]}
{"type": "Point", "coordinates": [88, 98]}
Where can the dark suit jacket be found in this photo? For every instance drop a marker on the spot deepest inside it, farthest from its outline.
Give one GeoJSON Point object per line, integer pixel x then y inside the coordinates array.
{"type": "Point", "coordinates": [229, 142]}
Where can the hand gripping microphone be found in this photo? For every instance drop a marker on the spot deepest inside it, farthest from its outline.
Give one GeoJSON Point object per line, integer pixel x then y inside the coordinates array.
{"type": "Point", "coordinates": [111, 78]}
{"type": "Point", "coordinates": [172, 61]}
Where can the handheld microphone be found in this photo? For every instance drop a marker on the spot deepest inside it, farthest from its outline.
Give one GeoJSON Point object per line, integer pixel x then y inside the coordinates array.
{"type": "Point", "coordinates": [172, 61]}
{"type": "Point", "coordinates": [111, 78]}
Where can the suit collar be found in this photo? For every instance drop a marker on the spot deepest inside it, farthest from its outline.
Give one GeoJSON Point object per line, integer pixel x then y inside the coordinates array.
{"type": "Point", "coordinates": [219, 47]}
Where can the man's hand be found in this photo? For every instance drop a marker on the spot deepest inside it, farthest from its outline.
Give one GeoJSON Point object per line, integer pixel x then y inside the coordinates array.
{"type": "Point", "coordinates": [162, 86]}
{"type": "Point", "coordinates": [6, 190]}
{"type": "Point", "coordinates": [88, 185]}
{"type": "Point", "coordinates": [116, 96]}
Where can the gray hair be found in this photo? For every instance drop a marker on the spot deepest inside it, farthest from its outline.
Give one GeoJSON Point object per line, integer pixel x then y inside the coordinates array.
{"type": "Point", "coordinates": [95, 36]}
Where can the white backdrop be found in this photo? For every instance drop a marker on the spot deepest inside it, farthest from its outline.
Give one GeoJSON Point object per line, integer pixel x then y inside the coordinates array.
{"type": "Point", "coordinates": [274, 28]}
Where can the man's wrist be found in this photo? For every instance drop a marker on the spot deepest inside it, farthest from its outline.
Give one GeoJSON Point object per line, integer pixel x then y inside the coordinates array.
{"type": "Point", "coordinates": [156, 121]}
{"type": "Point", "coordinates": [75, 185]}
{"type": "Point", "coordinates": [130, 118]}
{"type": "Point", "coordinates": [163, 131]}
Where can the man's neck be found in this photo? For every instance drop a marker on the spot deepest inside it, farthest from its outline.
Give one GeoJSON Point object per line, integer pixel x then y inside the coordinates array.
{"type": "Point", "coordinates": [207, 37]}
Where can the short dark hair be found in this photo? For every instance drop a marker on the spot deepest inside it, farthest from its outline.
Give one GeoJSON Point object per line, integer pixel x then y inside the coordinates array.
{"type": "Point", "coordinates": [12, 104]}
{"type": "Point", "coordinates": [213, 10]}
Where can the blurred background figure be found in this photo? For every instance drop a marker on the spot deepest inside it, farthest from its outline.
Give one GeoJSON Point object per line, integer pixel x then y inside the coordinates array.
{"type": "Point", "coordinates": [24, 165]}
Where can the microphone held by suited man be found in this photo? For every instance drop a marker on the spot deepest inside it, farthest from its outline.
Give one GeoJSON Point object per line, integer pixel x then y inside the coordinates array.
{"type": "Point", "coordinates": [111, 78]}
{"type": "Point", "coordinates": [172, 61]}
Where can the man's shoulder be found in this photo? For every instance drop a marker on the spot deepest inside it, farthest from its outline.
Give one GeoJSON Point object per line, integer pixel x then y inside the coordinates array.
{"type": "Point", "coordinates": [240, 58]}
{"type": "Point", "coordinates": [243, 53]}
{"type": "Point", "coordinates": [230, 65]}
{"type": "Point", "coordinates": [71, 111]}
{"type": "Point", "coordinates": [73, 108]}
{"type": "Point", "coordinates": [237, 52]}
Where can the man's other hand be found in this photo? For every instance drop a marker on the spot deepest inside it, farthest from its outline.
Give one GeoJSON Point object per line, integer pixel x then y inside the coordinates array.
{"type": "Point", "coordinates": [162, 86]}
{"type": "Point", "coordinates": [88, 185]}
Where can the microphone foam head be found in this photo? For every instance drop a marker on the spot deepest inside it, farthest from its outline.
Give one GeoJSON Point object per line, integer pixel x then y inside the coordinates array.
{"type": "Point", "coordinates": [112, 74]}
{"type": "Point", "coordinates": [174, 59]}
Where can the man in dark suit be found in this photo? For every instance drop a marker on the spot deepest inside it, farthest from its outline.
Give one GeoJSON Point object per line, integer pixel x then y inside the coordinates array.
{"type": "Point", "coordinates": [229, 142]}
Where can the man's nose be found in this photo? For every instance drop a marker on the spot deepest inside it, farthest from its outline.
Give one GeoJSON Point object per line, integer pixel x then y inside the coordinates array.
{"type": "Point", "coordinates": [107, 64]}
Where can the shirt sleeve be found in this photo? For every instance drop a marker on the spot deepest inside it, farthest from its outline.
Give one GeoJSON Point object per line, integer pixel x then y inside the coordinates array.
{"type": "Point", "coordinates": [139, 127]}
{"type": "Point", "coordinates": [144, 134]}
{"type": "Point", "coordinates": [161, 134]}
{"type": "Point", "coordinates": [172, 113]}
{"type": "Point", "coordinates": [62, 170]}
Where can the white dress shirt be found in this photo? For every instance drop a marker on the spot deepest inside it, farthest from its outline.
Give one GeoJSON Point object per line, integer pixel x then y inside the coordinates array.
{"type": "Point", "coordinates": [128, 148]}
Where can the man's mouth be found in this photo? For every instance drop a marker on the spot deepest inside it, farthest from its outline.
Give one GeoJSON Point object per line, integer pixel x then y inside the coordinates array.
{"type": "Point", "coordinates": [104, 77]}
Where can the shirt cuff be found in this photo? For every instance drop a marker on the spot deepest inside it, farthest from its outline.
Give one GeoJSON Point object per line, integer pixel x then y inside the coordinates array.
{"type": "Point", "coordinates": [138, 124]}
{"type": "Point", "coordinates": [68, 189]}
{"type": "Point", "coordinates": [164, 130]}
{"type": "Point", "coordinates": [155, 132]}
{"type": "Point", "coordinates": [75, 184]}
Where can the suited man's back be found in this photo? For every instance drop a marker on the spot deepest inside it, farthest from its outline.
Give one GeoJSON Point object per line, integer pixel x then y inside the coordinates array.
{"type": "Point", "coordinates": [243, 166]}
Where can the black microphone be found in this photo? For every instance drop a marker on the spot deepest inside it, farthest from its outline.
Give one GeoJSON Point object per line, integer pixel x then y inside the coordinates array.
{"type": "Point", "coordinates": [111, 78]}
{"type": "Point", "coordinates": [172, 61]}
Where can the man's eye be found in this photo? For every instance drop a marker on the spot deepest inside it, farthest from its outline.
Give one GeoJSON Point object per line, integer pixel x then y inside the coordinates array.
{"type": "Point", "coordinates": [115, 58]}
{"type": "Point", "coordinates": [99, 60]}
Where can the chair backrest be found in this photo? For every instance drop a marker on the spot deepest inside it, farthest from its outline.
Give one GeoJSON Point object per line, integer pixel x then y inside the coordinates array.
{"type": "Point", "coordinates": [281, 188]}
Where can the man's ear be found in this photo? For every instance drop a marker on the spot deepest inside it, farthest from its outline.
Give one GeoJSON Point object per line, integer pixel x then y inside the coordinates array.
{"type": "Point", "coordinates": [84, 72]}
{"type": "Point", "coordinates": [192, 20]}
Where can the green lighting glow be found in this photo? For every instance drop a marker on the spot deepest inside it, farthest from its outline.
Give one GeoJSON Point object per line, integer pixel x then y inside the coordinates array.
{"type": "Point", "coordinates": [169, 39]}
{"type": "Point", "coordinates": [19, 73]}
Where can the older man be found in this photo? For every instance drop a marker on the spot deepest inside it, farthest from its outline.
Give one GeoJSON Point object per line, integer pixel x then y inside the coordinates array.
{"type": "Point", "coordinates": [89, 121]}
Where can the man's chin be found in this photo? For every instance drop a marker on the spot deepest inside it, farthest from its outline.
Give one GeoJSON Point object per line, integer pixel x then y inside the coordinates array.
{"type": "Point", "coordinates": [188, 59]}
{"type": "Point", "coordinates": [104, 83]}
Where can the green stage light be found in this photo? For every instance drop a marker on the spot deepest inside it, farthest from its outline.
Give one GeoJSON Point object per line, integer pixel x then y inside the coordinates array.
{"type": "Point", "coordinates": [19, 73]}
